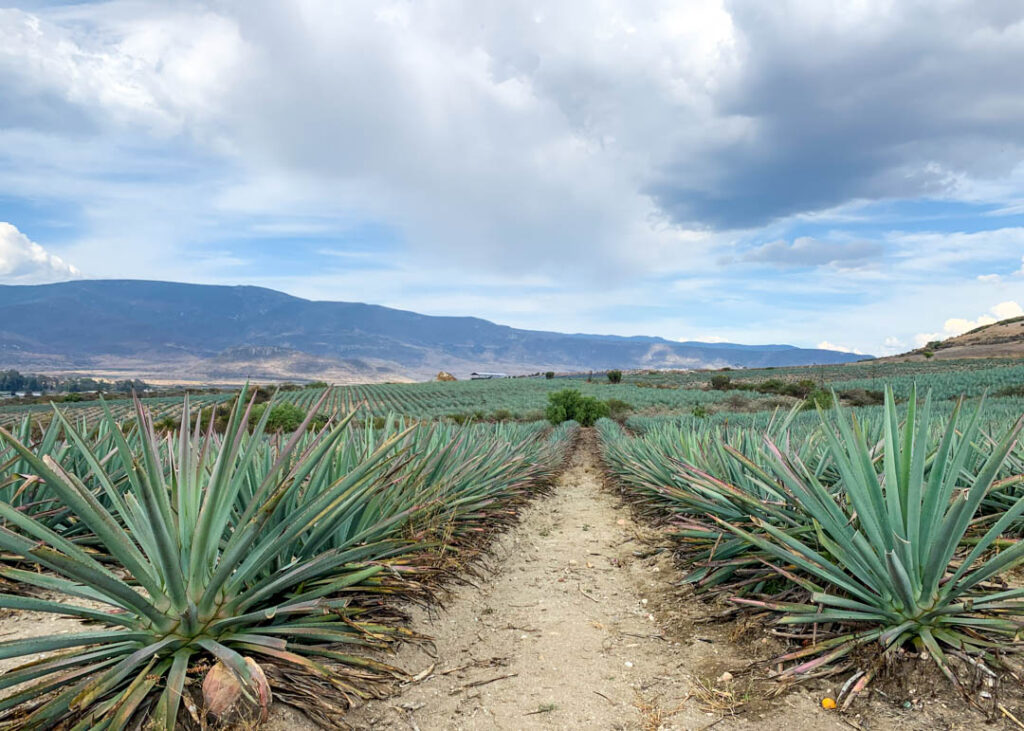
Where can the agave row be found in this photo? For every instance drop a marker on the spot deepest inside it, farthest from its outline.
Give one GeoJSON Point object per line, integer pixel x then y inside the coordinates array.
{"type": "Point", "coordinates": [189, 548]}
{"type": "Point", "coordinates": [886, 533]}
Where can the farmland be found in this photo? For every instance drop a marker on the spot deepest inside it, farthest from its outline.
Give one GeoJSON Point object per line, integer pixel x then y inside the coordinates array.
{"type": "Point", "coordinates": [850, 542]}
{"type": "Point", "coordinates": [648, 393]}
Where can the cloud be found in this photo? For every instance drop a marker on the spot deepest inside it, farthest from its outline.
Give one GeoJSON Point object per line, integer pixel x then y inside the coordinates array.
{"type": "Point", "coordinates": [893, 344]}
{"type": "Point", "coordinates": [23, 261]}
{"type": "Point", "coordinates": [619, 147]}
{"type": "Point", "coordinates": [817, 128]}
{"type": "Point", "coordinates": [826, 345]}
{"type": "Point", "coordinates": [989, 278]}
{"type": "Point", "coordinates": [959, 325]}
{"type": "Point", "coordinates": [1006, 310]}
{"type": "Point", "coordinates": [809, 252]}
{"type": "Point", "coordinates": [513, 137]}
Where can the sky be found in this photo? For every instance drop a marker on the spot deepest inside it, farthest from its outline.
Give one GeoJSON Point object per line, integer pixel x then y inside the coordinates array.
{"type": "Point", "coordinates": [845, 174]}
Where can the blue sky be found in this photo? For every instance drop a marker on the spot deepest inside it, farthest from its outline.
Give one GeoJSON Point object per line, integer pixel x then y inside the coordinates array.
{"type": "Point", "coordinates": [845, 174]}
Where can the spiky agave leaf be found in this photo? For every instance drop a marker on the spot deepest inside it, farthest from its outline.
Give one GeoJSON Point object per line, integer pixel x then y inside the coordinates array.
{"type": "Point", "coordinates": [887, 569]}
{"type": "Point", "coordinates": [198, 585]}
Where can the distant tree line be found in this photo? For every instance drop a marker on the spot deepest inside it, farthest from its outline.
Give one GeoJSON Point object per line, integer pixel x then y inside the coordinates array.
{"type": "Point", "coordinates": [14, 381]}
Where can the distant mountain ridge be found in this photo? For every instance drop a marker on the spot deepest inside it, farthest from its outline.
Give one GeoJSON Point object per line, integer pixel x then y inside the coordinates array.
{"type": "Point", "coordinates": [193, 331]}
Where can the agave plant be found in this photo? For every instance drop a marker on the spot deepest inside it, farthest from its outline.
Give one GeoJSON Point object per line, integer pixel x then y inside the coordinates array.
{"type": "Point", "coordinates": [890, 571]}
{"type": "Point", "coordinates": [694, 472]}
{"type": "Point", "coordinates": [185, 578]}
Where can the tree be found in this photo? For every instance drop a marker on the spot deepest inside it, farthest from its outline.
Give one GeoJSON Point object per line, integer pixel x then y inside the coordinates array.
{"type": "Point", "coordinates": [549, 375]}
{"type": "Point", "coordinates": [570, 405]}
{"type": "Point", "coordinates": [615, 376]}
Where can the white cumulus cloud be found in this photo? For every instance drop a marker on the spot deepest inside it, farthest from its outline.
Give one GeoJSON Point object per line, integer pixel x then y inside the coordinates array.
{"type": "Point", "coordinates": [959, 325]}
{"type": "Point", "coordinates": [23, 261]}
{"type": "Point", "coordinates": [826, 345]}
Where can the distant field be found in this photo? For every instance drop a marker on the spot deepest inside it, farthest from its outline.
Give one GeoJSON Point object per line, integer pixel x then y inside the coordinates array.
{"type": "Point", "coordinates": [648, 394]}
{"type": "Point", "coordinates": [163, 406]}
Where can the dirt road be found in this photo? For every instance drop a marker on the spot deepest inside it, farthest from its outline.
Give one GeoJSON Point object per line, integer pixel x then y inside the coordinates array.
{"type": "Point", "coordinates": [569, 628]}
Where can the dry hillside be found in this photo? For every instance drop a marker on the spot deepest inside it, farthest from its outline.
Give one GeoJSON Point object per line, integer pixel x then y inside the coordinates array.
{"type": "Point", "coordinates": [1003, 339]}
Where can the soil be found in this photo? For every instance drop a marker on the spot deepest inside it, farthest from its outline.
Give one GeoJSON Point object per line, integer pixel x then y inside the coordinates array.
{"type": "Point", "coordinates": [576, 620]}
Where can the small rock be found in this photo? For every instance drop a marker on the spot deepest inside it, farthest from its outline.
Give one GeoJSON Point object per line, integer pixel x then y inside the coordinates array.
{"type": "Point", "coordinates": [725, 677]}
{"type": "Point", "coordinates": [629, 664]}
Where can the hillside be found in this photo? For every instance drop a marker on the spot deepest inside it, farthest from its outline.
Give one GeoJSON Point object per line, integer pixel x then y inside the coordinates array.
{"type": "Point", "coordinates": [1003, 339]}
{"type": "Point", "coordinates": [160, 330]}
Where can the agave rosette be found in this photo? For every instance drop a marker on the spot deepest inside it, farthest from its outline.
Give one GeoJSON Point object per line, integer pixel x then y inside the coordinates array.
{"type": "Point", "coordinates": [888, 573]}
{"type": "Point", "coordinates": [185, 574]}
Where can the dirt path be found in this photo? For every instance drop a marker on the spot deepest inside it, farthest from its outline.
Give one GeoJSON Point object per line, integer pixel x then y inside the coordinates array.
{"type": "Point", "coordinates": [568, 629]}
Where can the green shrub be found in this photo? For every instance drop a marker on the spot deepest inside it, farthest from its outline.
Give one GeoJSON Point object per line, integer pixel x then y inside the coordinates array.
{"type": "Point", "coordinates": [738, 402]}
{"type": "Point", "coordinates": [819, 397]}
{"type": "Point", "coordinates": [618, 408]}
{"type": "Point", "coordinates": [615, 376]}
{"type": "Point", "coordinates": [283, 417]}
{"type": "Point", "coordinates": [549, 375]}
{"type": "Point", "coordinates": [501, 415]}
{"type": "Point", "coordinates": [167, 424]}
{"type": "Point", "coordinates": [799, 389]}
{"type": "Point", "coordinates": [720, 382]}
{"type": "Point", "coordinates": [700, 412]}
{"type": "Point", "coordinates": [570, 405]}
{"type": "Point", "coordinates": [862, 397]}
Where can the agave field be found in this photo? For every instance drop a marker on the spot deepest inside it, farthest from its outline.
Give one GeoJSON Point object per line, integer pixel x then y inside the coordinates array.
{"type": "Point", "coordinates": [207, 561]}
{"type": "Point", "coordinates": [861, 537]}
{"type": "Point", "coordinates": [122, 408]}
{"type": "Point", "coordinates": [647, 394]}
{"type": "Point", "coordinates": [274, 558]}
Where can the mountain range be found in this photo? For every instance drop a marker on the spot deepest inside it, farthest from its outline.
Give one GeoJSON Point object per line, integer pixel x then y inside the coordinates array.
{"type": "Point", "coordinates": [190, 332]}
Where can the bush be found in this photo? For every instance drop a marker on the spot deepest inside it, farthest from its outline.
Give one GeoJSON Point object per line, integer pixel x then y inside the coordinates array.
{"type": "Point", "coordinates": [570, 405]}
{"type": "Point", "coordinates": [927, 354]}
{"type": "Point", "coordinates": [700, 412]}
{"type": "Point", "coordinates": [549, 375]}
{"type": "Point", "coordinates": [283, 417]}
{"type": "Point", "coordinates": [167, 424]}
{"type": "Point", "coordinates": [862, 397]}
{"type": "Point", "coordinates": [738, 402]}
{"type": "Point", "coordinates": [800, 389]}
{"type": "Point", "coordinates": [618, 408]}
{"type": "Point", "coordinates": [720, 382]}
{"type": "Point", "coordinates": [502, 415]}
{"type": "Point", "coordinates": [615, 376]}
{"type": "Point", "coordinates": [459, 419]}
{"type": "Point", "coordinates": [818, 397]}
